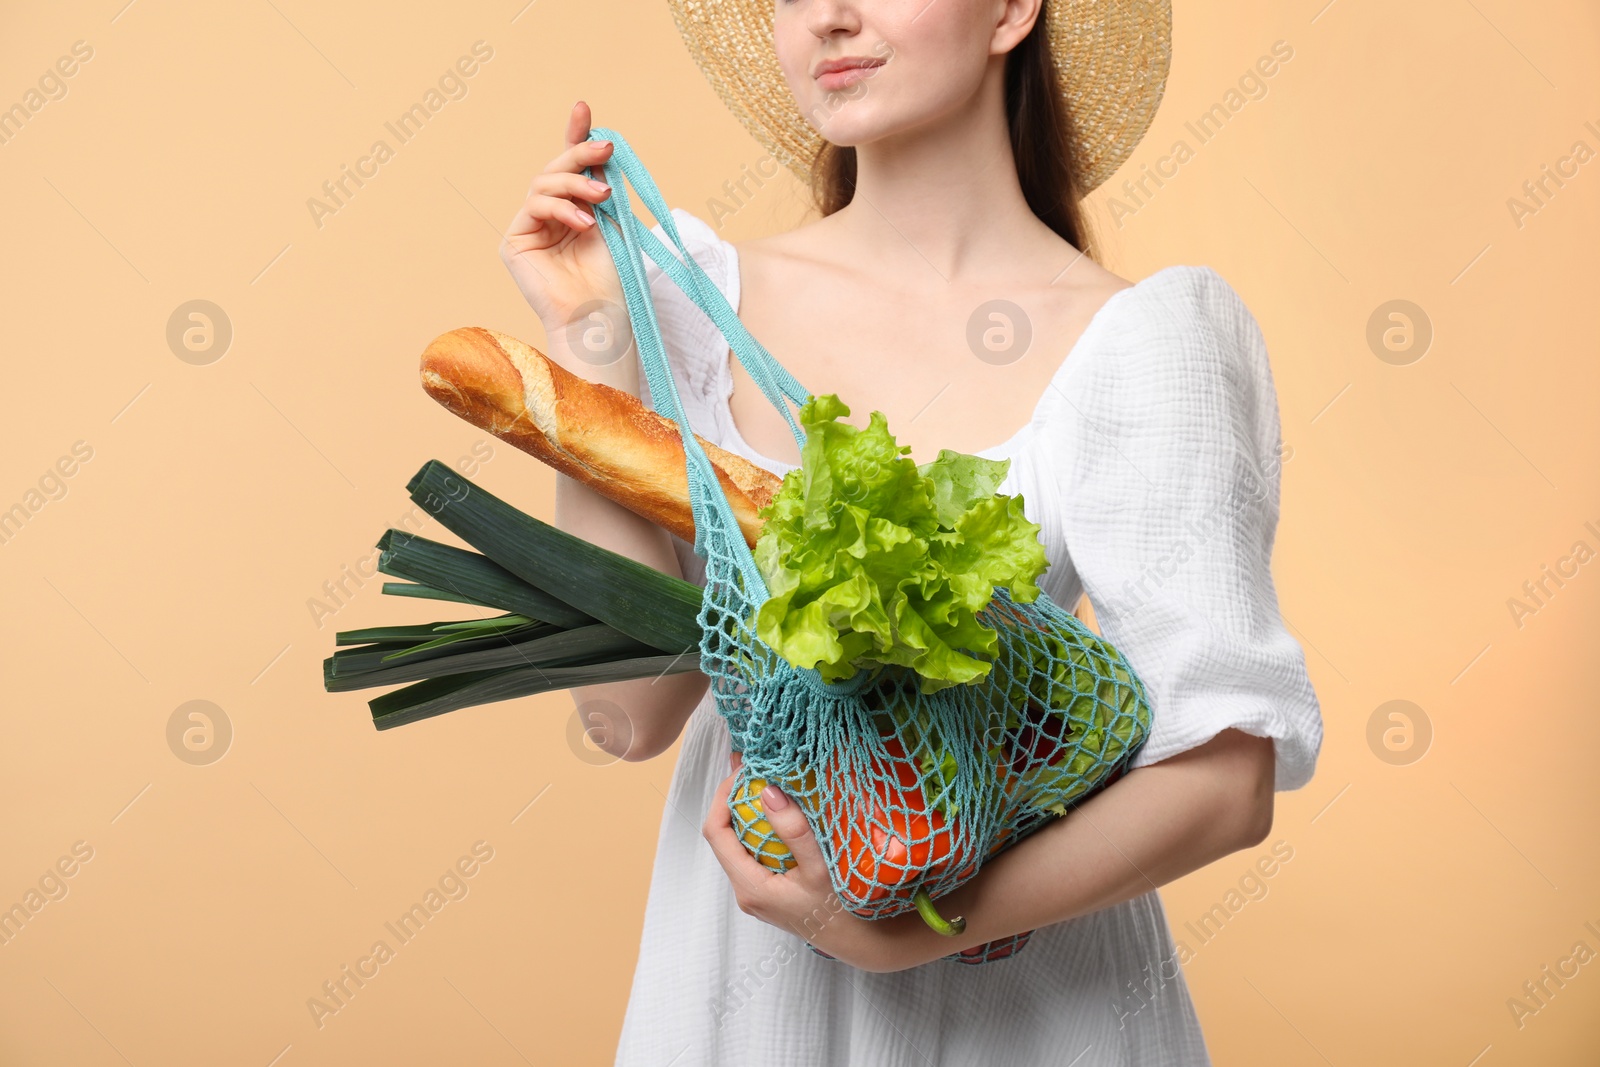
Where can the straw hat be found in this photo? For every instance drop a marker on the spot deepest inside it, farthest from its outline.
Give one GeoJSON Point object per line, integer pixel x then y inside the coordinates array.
{"type": "Point", "coordinates": [1111, 59]}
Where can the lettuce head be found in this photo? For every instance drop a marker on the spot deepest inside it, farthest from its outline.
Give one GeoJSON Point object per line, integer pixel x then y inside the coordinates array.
{"type": "Point", "coordinates": [870, 559]}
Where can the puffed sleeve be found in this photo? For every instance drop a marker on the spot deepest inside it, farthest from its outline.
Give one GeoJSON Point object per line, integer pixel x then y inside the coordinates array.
{"type": "Point", "coordinates": [692, 342]}
{"type": "Point", "coordinates": [1169, 476]}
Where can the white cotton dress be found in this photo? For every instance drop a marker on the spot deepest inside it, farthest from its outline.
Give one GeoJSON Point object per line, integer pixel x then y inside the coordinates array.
{"type": "Point", "coordinates": [1151, 466]}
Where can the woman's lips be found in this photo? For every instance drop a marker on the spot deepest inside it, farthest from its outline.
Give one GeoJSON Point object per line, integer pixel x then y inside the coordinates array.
{"type": "Point", "coordinates": [841, 79]}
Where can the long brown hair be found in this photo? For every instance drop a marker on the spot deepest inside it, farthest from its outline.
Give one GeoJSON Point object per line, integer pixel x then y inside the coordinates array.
{"type": "Point", "coordinates": [1041, 143]}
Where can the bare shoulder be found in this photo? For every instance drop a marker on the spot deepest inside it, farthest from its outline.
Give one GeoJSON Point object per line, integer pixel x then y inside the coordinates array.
{"type": "Point", "coordinates": [806, 243]}
{"type": "Point", "coordinates": [1084, 281]}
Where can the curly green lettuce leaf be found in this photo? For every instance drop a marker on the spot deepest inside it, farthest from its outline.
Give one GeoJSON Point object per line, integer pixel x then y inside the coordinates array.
{"type": "Point", "coordinates": [960, 481]}
{"type": "Point", "coordinates": [870, 559]}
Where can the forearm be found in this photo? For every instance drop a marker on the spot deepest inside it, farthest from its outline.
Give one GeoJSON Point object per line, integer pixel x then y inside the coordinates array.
{"type": "Point", "coordinates": [1148, 828]}
{"type": "Point", "coordinates": [637, 719]}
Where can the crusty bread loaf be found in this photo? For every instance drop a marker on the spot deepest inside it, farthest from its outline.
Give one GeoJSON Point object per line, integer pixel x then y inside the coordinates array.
{"type": "Point", "coordinates": [600, 436]}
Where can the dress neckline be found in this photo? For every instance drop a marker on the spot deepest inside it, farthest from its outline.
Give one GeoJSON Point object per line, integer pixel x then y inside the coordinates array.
{"type": "Point", "coordinates": [1009, 447]}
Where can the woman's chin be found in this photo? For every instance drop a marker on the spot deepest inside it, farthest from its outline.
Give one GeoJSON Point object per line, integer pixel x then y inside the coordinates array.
{"type": "Point", "coordinates": [851, 126]}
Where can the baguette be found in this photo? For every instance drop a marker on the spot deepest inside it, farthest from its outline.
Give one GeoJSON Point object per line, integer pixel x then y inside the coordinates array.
{"type": "Point", "coordinates": [603, 437]}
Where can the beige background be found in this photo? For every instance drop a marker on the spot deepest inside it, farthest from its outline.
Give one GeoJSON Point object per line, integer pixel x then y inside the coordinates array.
{"type": "Point", "coordinates": [1377, 166]}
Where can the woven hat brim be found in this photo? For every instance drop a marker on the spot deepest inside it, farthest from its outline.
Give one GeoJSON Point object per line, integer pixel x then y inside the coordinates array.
{"type": "Point", "coordinates": [1111, 57]}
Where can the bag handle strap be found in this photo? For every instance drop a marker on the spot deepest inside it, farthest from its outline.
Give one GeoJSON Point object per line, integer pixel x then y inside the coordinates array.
{"type": "Point", "coordinates": [770, 376]}
{"type": "Point", "coordinates": [626, 243]}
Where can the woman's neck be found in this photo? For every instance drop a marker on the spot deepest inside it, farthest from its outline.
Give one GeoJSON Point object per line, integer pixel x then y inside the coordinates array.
{"type": "Point", "coordinates": [944, 198]}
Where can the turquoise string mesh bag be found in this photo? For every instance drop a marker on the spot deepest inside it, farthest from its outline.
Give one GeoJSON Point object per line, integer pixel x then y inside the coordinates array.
{"type": "Point", "coordinates": [907, 792]}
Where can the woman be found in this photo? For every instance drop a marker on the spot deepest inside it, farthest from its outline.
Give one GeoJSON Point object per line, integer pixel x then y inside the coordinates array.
{"type": "Point", "coordinates": [1142, 429]}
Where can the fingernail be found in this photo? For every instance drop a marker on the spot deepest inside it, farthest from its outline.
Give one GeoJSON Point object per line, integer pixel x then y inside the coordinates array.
{"type": "Point", "coordinates": [773, 799]}
{"type": "Point", "coordinates": [603, 144]}
{"type": "Point", "coordinates": [585, 216]}
{"type": "Point", "coordinates": [599, 186]}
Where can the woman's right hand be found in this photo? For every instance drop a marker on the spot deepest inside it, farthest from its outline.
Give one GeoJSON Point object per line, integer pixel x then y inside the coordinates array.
{"type": "Point", "coordinates": [560, 261]}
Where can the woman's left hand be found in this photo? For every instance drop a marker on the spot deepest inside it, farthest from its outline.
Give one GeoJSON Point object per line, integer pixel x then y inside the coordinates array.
{"type": "Point", "coordinates": [801, 900]}
{"type": "Point", "coordinates": [1147, 828]}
